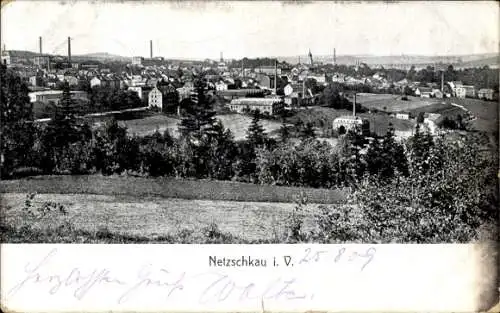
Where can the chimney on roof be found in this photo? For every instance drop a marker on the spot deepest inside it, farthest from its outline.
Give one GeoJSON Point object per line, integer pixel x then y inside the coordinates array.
{"type": "Point", "coordinates": [69, 51]}
{"type": "Point", "coordinates": [40, 44]}
{"type": "Point", "coordinates": [151, 49]}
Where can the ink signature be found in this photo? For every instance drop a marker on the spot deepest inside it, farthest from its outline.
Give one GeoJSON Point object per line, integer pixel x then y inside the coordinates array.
{"type": "Point", "coordinates": [203, 287]}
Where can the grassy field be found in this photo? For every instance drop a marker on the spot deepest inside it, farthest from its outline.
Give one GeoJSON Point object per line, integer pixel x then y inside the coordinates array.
{"type": "Point", "coordinates": [111, 209]}
{"type": "Point", "coordinates": [152, 217]}
{"type": "Point", "coordinates": [445, 109]}
{"type": "Point", "coordinates": [392, 103]}
{"type": "Point", "coordinates": [485, 111]}
{"type": "Point", "coordinates": [237, 123]}
{"type": "Point", "coordinates": [167, 188]}
{"type": "Point", "coordinates": [148, 125]}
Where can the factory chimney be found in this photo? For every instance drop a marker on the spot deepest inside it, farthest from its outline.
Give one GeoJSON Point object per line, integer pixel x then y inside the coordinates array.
{"type": "Point", "coordinates": [334, 57]}
{"type": "Point", "coordinates": [151, 49]}
{"type": "Point", "coordinates": [275, 76]}
{"type": "Point", "coordinates": [40, 44]}
{"type": "Point", "coordinates": [69, 51]}
{"type": "Point", "coordinates": [221, 57]}
{"type": "Point", "coordinates": [442, 81]}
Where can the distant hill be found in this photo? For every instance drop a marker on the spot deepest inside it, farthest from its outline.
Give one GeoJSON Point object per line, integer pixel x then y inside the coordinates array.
{"type": "Point", "coordinates": [101, 56]}
{"type": "Point", "coordinates": [472, 59]}
{"type": "Point", "coordinates": [21, 53]}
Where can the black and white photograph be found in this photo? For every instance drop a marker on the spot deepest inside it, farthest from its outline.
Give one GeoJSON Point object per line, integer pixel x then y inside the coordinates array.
{"type": "Point", "coordinates": [206, 122]}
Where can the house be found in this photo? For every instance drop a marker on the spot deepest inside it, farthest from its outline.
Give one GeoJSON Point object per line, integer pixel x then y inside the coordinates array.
{"type": "Point", "coordinates": [221, 85]}
{"type": "Point", "coordinates": [460, 92]}
{"type": "Point", "coordinates": [271, 106]}
{"type": "Point", "coordinates": [270, 70]}
{"type": "Point", "coordinates": [71, 80]}
{"type": "Point", "coordinates": [222, 67]}
{"type": "Point", "coordinates": [431, 121]}
{"type": "Point", "coordinates": [485, 93]}
{"type": "Point", "coordinates": [345, 123]}
{"type": "Point", "coordinates": [36, 80]}
{"type": "Point", "coordinates": [320, 78]}
{"type": "Point", "coordinates": [265, 81]}
{"type": "Point", "coordinates": [338, 78]}
{"type": "Point", "coordinates": [142, 91]}
{"type": "Point", "coordinates": [436, 93]}
{"type": "Point", "coordinates": [105, 82]}
{"type": "Point", "coordinates": [403, 116]}
{"type": "Point", "coordinates": [55, 96]}
{"type": "Point", "coordinates": [41, 60]}
{"type": "Point", "coordinates": [292, 87]}
{"type": "Point", "coordinates": [470, 91]}
{"type": "Point", "coordinates": [423, 92]}
{"type": "Point", "coordinates": [456, 89]}
{"type": "Point", "coordinates": [155, 99]}
{"type": "Point", "coordinates": [241, 93]}
{"type": "Point", "coordinates": [295, 100]}
{"type": "Point", "coordinates": [184, 92]}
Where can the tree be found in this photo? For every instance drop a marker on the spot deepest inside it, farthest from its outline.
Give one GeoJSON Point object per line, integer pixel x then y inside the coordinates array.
{"type": "Point", "coordinates": [221, 153]}
{"type": "Point", "coordinates": [419, 151]}
{"type": "Point", "coordinates": [284, 132]}
{"type": "Point", "coordinates": [420, 117]}
{"type": "Point", "coordinates": [62, 131]}
{"type": "Point", "coordinates": [17, 132]}
{"type": "Point", "coordinates": [352, 165]}
{"type": "Point", "coordinates": [312, 84]}
{"type": "Point", "coordinates": [308, 131]}
{"type": "Point", "coordinates": [392, 156]}
{"type": "Point", "coordinates": [199, 117]}
{"type": "Point", "coordinates": [256, 135]}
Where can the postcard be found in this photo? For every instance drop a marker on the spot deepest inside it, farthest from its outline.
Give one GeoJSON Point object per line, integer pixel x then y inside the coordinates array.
{"type": "Point", "coordinates": [240, 156]}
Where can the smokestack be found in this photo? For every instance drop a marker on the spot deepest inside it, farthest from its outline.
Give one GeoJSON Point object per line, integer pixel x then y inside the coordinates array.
{"type": "Point", "coordinates": [69, 51]}
{"type": "Point", "coordinates": [40, 44]}
{"type": "Point", "coordinates": [442, 81]}
{"type": "Point", "coordinates": [334, 57]}
{"type": "Point", "coordinates": [275, 76]}
{"type": "Point", "coordinates": [354, 106]}
{"type": "Point", "coordinates": [151, 49]}
{"type": "Point", "coordinates": [221, 57]}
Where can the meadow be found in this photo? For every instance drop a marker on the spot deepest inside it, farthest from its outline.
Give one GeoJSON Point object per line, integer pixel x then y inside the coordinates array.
{"type": "Point", "coordinates": [392, 103]}
{"type": "Point", "coordinates": [167, 187]}
{"type": "Point", "coordinates": [485, 111]}
{"type": "Point", "coordinates": [237, 123]}
{"type": "Point", "coordinates": [131, 209]}
{"type": "Point", "coordinates": [154, 217]}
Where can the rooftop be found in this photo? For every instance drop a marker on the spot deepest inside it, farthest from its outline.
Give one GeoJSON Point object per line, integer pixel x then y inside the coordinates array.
{"type": "Point", "coordinates": [256, 101]}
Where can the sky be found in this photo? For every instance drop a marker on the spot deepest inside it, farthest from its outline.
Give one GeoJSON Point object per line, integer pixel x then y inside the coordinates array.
{"type": "Point", "coordinates": [197, 29]}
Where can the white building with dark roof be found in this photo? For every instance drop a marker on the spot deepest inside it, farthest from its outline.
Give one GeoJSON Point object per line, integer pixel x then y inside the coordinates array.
{"type": "Point", "coordinates": [155, 99]}
{"type": "Point", "coordinates": [271, 106]}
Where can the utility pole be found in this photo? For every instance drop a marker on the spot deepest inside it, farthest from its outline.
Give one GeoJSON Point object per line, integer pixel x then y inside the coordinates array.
{"type": "Point", "coordinates": [354, 105]}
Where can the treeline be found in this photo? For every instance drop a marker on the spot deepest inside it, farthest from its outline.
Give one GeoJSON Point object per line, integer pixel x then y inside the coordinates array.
{"type": "Point", "coordinates": [483, 77]}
